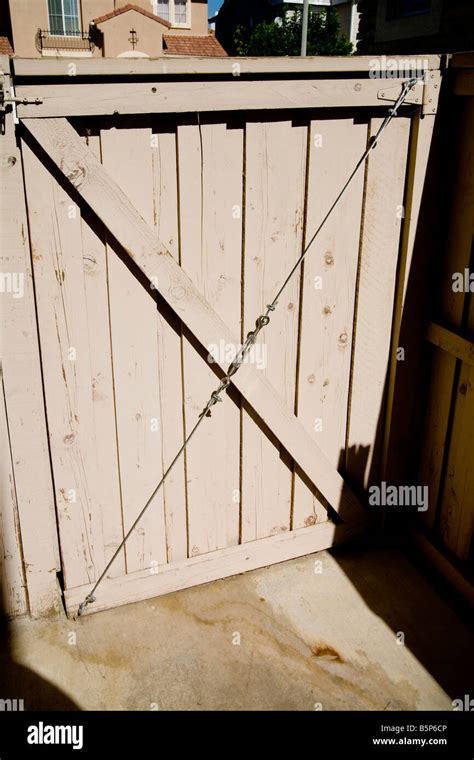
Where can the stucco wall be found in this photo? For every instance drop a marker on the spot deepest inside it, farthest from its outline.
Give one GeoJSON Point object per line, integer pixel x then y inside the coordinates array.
{"type": "Point", "coordinates": [117, 32]}
{"type": "Point", "coordinates": [27, 16]}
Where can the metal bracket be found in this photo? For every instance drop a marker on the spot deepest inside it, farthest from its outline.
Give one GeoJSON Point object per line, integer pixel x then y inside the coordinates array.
{"type": "Point", "coordinates": [431, 92]}
{"type": "Point", "coordinates": [424, 94]}
{"type": "Point", "coordinates": [7, 98]}
{"type": "Point", "coordinates": [391, 93]}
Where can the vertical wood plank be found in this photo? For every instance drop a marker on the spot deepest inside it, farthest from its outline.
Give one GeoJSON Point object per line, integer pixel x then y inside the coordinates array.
{"type": "Point", "coordinates": [23, 389]}
{"type": "Point", "coordinates": [436, 423]}
{"type": "Point", "coordinates": [103, 394]}
{"type": "Point", "coordinates": [165, 201]}
{"type": "Point", "coordinates": [12, 582]}
{"type": "Point", "coordinates": [416, 265]}
{"type": "Point", "coordinates": [275, 187]}
{"type": "Point", "coordinates": [55, 225]}
{"type": "Point", "coordinates": [330, 274]}
{"type": "Point", "coordinates": [383, 213]}
{"type": "Point", "coordinates": [457, 515]}
{"type": "Point", "coordinates": [127, 156]}
{"type": "Point", "coordinates": [210, 182]}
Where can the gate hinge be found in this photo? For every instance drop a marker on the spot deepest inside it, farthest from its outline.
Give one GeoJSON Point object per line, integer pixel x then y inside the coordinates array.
{"type": "Point", "coordinates": [7, 98]}
{"type": "Point", "coordinates": [425, 93]}
{"type": "Point", "coordinates": [431, 91]}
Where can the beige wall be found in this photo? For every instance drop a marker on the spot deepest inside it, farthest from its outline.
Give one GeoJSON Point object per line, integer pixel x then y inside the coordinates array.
{"type": "Point", "coordinates": [27, 16]}
{"type": "Point", "coordinates": [117, 31]}
{"type": "Point", "coordinates": [93, 8]}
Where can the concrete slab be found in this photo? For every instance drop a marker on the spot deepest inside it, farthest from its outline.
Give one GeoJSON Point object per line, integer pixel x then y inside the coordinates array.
{"type": "Point", "coordinates": [357, 631]}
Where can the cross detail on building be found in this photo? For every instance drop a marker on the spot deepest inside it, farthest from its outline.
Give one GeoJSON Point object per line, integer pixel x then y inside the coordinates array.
{"type": "Point", "coordinates": [133, 39]}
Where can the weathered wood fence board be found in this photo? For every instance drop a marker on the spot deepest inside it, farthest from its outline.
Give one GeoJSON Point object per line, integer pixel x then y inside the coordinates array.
{"type": "Point", "coordinates": [329, 286]}
{"type": "Point", "coordinates": [166, 221]}
{"type": "Point", "coordinates": [210, 192]}
{"type": "Point", "coordinates": [383, 213]}
{"type": "Point", "coordinates": [275, 174]}
{"type": "Point", "coordinates": [33, 489]}
{"type": "Point", "coordinates": [13, 597]}
{"type": "Point", "coordinates": [165, 97]}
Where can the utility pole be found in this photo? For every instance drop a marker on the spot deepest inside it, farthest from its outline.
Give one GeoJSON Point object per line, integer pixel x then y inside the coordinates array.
{"type": "Point", "coordinates": [304, 31]}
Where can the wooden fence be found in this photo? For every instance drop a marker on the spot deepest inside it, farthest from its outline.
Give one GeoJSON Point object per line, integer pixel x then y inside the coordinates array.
{"type": "Point", "coordinates": [447, 461]}
{"type": "Point", "coordinates": [151, 210]}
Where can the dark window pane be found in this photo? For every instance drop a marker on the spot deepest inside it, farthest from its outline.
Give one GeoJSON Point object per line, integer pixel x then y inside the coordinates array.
{"type": "Point", "coordinates": [405, 8]}
{"type": "Point", "coordinates": [63, 17]}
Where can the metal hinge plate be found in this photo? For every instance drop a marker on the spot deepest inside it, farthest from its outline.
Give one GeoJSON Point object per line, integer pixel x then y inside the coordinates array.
{"type": "Point", "coordinates": [425, 93]}
{"type": "Point", "coordinates": [392, 92]}
{"type": "Point", "coordinates": [431, 92]}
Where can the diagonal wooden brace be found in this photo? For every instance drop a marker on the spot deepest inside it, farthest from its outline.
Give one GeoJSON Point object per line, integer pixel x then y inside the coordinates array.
{"type": "Point", "coordinates": [71, 155]}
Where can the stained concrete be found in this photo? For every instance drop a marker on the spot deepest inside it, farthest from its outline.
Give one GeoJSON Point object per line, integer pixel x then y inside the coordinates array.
{"type": "Point", "coordinates": [360, 631]}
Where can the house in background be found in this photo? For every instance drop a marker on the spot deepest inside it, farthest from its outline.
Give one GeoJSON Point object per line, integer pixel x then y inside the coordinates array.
{"type": "Point", "coordinates": [107, 28]}
{"type": "Point", "coordinates": [415, 26]}
{"type": "Point", "coordinates": [249, 13]}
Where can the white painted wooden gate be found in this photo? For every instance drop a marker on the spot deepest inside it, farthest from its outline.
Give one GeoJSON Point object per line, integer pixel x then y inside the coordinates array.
{"type": "Point", "coordinates": [163, 213]}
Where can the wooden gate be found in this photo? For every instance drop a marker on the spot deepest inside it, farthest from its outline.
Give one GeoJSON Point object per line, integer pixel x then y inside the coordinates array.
{"type": "Point", "coordinates": [165, 205]}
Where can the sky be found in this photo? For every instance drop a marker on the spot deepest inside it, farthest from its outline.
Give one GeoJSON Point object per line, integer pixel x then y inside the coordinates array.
{"type": "Point", "coordinates": [214, 6]}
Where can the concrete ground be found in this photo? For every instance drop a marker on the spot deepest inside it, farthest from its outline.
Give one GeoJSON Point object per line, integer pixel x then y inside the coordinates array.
{"type": "Point", "coordinates": [362, 630]}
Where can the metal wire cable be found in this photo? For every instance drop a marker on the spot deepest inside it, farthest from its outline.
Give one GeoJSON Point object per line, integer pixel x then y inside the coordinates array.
{"type": "Point", "coordinates": [260, 323]}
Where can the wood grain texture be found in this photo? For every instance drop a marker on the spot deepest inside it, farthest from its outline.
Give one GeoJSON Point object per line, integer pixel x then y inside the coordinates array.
{"type": "Point", "coordinates": [451, 342]}
{"type": "Point", "coordinates": [328, 302]}
{"type": "Point", "coordinates": [96, 294]}
{"type": "Point", "coordinates": [12, 581]}
{"type": "Point", "coordinates": [383, 213]}
{"type": "Point", "coordinates": [127, 154]}
{"type": "Point", "coordinates": [219, 564]}
{"type": "Point", "coordinates": [457, 516]}
{"type": "Point", "coordinates": [23, 388]}
{"type": "Point", "coordinates": [166, 222]}
{"type": "Point", "coordinates": [404, 375]}
{"type": "Point", "coordinates": [100, 67]}
{"type": "Point", "coordinates": [113, 207]}
{"type": "Point", "coordinates": [166, 97]}
{"type": "Point", "coordinates": [55, 226]}
{"type": "Point", "coordinates": [275, 159]}
{"type": "Point", "coordinates": [210, 190]}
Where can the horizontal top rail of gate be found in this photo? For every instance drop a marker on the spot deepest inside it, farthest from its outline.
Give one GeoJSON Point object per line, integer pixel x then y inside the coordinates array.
{"type": "Point", "coordinates": [148, 86]}
{"type": "Point", "coordinates": [240, 66]}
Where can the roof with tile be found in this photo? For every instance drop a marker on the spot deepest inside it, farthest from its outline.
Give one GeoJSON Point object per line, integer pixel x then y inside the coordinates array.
{"type": "Point", "coordinates": [181, 44]}
{"type": "Point", "coordinates": [131, 7]}
{"type": "Point", "coordinates": [5, 46]}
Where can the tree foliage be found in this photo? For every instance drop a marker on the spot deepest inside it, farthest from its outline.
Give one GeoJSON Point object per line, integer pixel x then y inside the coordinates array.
{"type": "Point", "coordinates": [283, 35]}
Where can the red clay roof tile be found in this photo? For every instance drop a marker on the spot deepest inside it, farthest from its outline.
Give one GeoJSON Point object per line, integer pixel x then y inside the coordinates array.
{"type": "Point", "coordinates": [131, 7]}
{"type": "Point", "coordinates": [181, 44]}
{"type": "Point", "coordinates": [5, 46]}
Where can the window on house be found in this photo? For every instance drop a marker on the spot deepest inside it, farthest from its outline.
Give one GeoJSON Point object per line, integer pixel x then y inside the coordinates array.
{"type": "Point", "coordinates": [64, 17]}
{"type": "Point", "coordinates": [180, 11]}
{"type": "Point", "coordinates": [162, 9]}
{"type": "Point", "coordinates": [174, 11]}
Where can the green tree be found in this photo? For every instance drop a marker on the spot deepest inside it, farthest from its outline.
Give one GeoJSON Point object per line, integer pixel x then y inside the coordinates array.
{"type": "Point", "coordinates": [283, 36]}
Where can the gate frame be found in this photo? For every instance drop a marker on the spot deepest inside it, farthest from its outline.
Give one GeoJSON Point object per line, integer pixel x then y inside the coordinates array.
{"type": "Point", "coordinates": [61, 143]}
